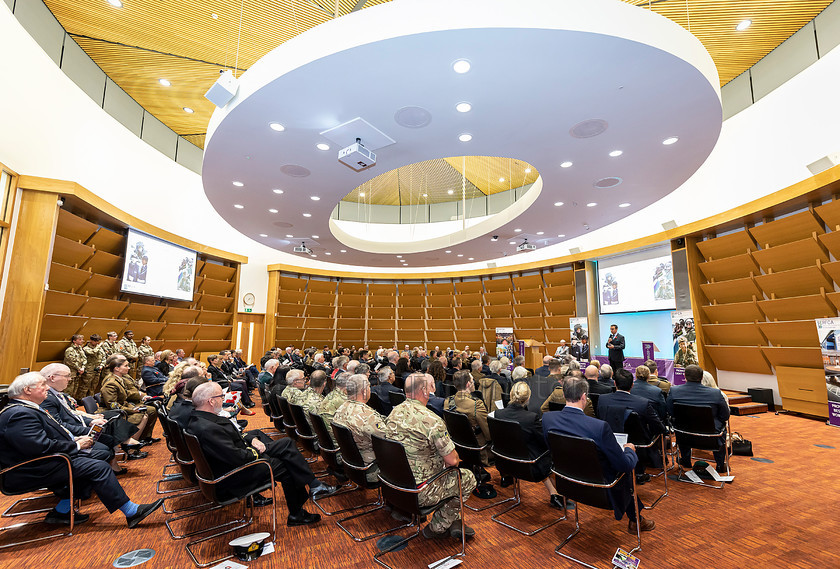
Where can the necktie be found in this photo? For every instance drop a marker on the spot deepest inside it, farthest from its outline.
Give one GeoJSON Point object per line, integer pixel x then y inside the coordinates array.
{"type": "Point", "coordinates": [66, 432]}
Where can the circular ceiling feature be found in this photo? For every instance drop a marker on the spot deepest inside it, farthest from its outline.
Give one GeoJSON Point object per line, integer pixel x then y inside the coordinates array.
{"type": "Point", "coordinates": [408, 51]}
{"type": "Point", "coordinates": [294, 171]}
{"type": "Point", "coordinates": [589, 128]}
{"type": "Point", "coordinates": [413, 117]}
{"type": "Point", "coordinates": [609, 182]}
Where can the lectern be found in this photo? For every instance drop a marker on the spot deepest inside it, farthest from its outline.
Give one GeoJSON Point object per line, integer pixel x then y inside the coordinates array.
{"type": "Point", "coordinates": [533, 353]}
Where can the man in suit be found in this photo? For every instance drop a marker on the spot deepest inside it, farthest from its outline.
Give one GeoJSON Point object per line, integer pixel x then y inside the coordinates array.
{"type": "Point", "coordinates": [153, 380]}
{"type": "Point", "coordinates": [614, 408]}
{"type": "Point", "coordinates": [557, 395]}
{"type": "Point", "coordinates": [583, 353]}
{"type": "Point", "coordinates": [27, 432]}
{"type": "Point", "coordinates": [225, 449]}
{"type": "Point", "coordinates": [183, 408]}
{"type": "Point", "coordinates": [693, 392]}
{"type": "Point", "coordinates": [591, 374]}
{"type": "Point", "coordinates": [615, 345]}
{"type": "Point", "coordinates": [643, 389]}
{"type": "Point", "coordinates": [543, 369]}
{"type": "Point", "coordinates": [386, 384]}
{"type": "Point", "coordinates": [614, 459]}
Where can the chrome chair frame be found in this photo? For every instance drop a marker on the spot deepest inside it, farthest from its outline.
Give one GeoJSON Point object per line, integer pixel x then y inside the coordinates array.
{"type": "Point", "coordinates": [664, 473]}
{"type": "Point", "coordinates": [725, 433]}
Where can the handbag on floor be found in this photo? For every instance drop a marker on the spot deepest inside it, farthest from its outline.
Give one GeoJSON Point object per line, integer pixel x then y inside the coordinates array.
{"type": "Point", "coordinates": [741, 446]}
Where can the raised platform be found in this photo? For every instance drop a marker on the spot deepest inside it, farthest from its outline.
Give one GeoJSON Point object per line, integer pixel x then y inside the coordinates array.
{"type": "Point", "coordinates": [742, 404]}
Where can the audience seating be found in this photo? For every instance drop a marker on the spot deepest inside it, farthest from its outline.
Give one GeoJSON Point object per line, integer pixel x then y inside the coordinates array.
{"type": "Point", "coordinates": [694, 425]}
{"type": "Point", "coordinates": [553, 406]}
{"type": "Point", "coordinates": [401, 491]}
{"type": "Point", "coordinates": [289, 421]}
{"type": "Point", "coordinates": [208, 483]}
{"type": "Point", "coordinates": [272, 410]}
{"type": "Point", "coordinates": [375, 403]}
{"type": "Point", "coordinates": [579, 476]}
{"type": "Point", "coordinates": [63, 460]}
{"type": "Point", "coordinates": [90, 405]}
{"type": "Point", "coordinates": [637, 435]}
{"type": "Point", "coordinates": [512, 459]}
{"type": "Point", "coordinates": [594, 398]}
{"type": "Point", "coordinates": [331, 457]}
{"type": "Point", "coordinates": [396, 397]}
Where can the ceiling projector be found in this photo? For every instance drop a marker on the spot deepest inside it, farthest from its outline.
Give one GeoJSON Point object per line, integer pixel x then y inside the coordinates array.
{"type": "Point", "coordinates": [302, 248]}
{"type": "Point", "coordinates": [526, 246]}
{"type": "Point", "coordinates": [357, 156]}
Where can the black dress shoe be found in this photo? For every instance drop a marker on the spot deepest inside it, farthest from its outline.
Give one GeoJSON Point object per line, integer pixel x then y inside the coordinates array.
{"type": "Point", "coordinates": [642, 478]}
{"type": "Point", "coordinates": [120, 472]}
{"type": "Point", "coordinates": [136, 455]}
{"type": "Point", "coordinates": [506, 481]}
{"type": "Point", "coordinates": [150, 440]}
{"type": "Point", "coordinates": [127, 447]}
{"type": "Point", "coordinates": [556, 501]}
{"type": "Point", "coordinates": [321, 490]}
{"type": "Point", "coordinates": [54, 517]}
{"type": "Point", "coordinates": [143, 511]}
{"type": "Point", "coordinates": [302, 518]}
{"type": "Point", "coordinates": [260, 501]}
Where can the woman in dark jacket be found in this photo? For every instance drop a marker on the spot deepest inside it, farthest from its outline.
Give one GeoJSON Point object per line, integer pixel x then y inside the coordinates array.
{"type": "Point", "coordinates": [403, 371]}
{"type": "Point", "coordinates": [531, 423]}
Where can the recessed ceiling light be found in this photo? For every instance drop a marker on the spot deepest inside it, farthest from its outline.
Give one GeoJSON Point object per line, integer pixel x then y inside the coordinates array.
{"type": "Point", "coordinates": [625, 204]}
{"type": "Point", "coordinates": [527, 170]}
{"type": "Point", "coordinates": [315, 237]}
{"type": "Point", "coordinates": [461, 66]}
{"type": "Point", "coordinates": [238, 206]}
{"type": "Point", "coordinates": [188, 110]}
{"type": "Point", "coordinates": [540, 232]}
{"type": "Point", "coordinates": [289, 236]}
{"type": "Point", "coordinates": [517, 230]}
{"type": "Point", "coordinates": [670, 140]}
{"type": "Point", "coordinates": [238, 184]}
{"type": "Point", "coordinates": [314, 198]}
{"type": "Point", "coordinates": [272, 210]}
{"type": "Point", "coordinates": [511, 242]}
{"type": "Point", "coordinates": [566, 164]}
{"type": "Point", "coordinates": [314, 255]}
{"type": "Point", "coordinates": [322, 146]}
{"type": "Point", "coordinates": [115, 3]}
{"type": "Point", "coordinates": [263, 235]}
{"type": "Point", "coordinates": [277, 126]}
{"type": "Point", "coordinates": [425, 195]}
{"type": "Point", "coordinates": [463, 107]}
{"type": "Point", "coordinates": [450, 192]}
{"type": "Point", "coordinates": [214, 16]}
{"type": "Point", "coordinates": [165, 82]}
{"type": "Point", "coordinates": [327, 253]}
{"type": "Point", "coordinates": [616, 153]}
{"type": "Point", "coordinates": [591, 204]}
{"type": "Point", "coordinates": [494, 238]}
{"type": "Point", "coordinates": [361, 194]}
{"type": "Point", "coordinates": [460, 255]}
{"type": "Point", "coordinates": [402, 260]}
{"type": "Point", "coordinates": [561, 235]}
{"type": "Point", "coordinates": [471, 259]}
{"type": "Point", "coordinates": [307, 215]}
{"type": "Point", "coordinates": [277, 191]}
{"type": "Point", "coordinates": [465, 137]}
{"type": "Point", "coordinates": [343, 251]}
{"type": "Point", "coordinates": [558, 204]}
{"type": "Point", "coordinates": [447, 251]}
{"type": "Point", "coordinates": [501, 179]}
{"type": "Point", "coordinates": [743, 25]}
{"type": "Point", "coordinates": [399, 256]}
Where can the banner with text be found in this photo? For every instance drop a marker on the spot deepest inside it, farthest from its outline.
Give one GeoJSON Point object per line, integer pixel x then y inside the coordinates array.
{"type": "Point", "coordinates": [827, 331]}
{"type": "Point", "coordinates": [504, 343]}
{"type": "Point", "coordinates": [685, 343]}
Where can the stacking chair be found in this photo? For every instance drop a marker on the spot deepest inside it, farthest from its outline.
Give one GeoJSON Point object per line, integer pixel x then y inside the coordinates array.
{"type": "Point", "coordinates": [61, 459]}
{"type": "Point", "coordinates": [90, 405]}
{"type": "Point", "coordinates": [401, 491]}
{"type": "Point", "coordinates": [553, 406]}
{"type": "Point", "coordinates": [448, 390]}
{"type": "Point", "coordinates": [304, 435]}
{"type": "Point", "coordinates": [637, 435]}
{"type": "Point", "coordinates": [694, 425]}
{"type": "Point", "coordinates": [375, 403]}
{"type": "Point", "coordinates": [396, 397]}
{"type": "Point", "coordinates": [331, 456]}
{"type": "Point", "coordinates": [208, 483]}
{"type": "Point", "coordinates": [469, 451]}
{"type": "Point", "coordinates": [511, 452]}
{"type": "Point", "coordinates": [594, 398]}
{"type": "Point", "coordinates": [356, 470]}
{"type": "Point", "coordinates": [272, 409]}
{"type": "Point", "coordinates": [288, 419]}
{"type": "Point", "coordinates": [166, 424]}
{"type": "Point", "coordinates": [579, 476]}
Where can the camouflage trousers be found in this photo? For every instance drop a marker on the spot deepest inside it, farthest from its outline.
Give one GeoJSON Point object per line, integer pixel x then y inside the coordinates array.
{"type": "Point", "coordinates": [88, 385]}
{"type": "Point", "coordinates": [442, 488]}
{"type": "Point", "coordinates": [75, 385]}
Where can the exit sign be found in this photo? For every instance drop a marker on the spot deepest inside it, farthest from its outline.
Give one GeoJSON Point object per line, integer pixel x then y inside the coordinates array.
{"type": "Point", "coordinates": [248, 309]}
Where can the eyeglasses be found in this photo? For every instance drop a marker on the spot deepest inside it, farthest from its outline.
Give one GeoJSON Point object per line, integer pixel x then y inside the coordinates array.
{"type": "Point", "coordinates": [219, 396]}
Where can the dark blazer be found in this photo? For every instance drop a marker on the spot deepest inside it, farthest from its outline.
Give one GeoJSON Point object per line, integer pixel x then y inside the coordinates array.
{"type": "Point", "coordinates": [652, 394]}
{"type": "Point", "coordinates": [542, 370]}
{"type": "Point", "coordinates": [115, 431]}
{"type": "Point", "coordinates": [598, 387]}
{"type": "Point", "coordinates": [614, 459]}
{"type": "Point", "coordinates": [583, 352]}
{"type": "Point", "coordinates": [153, 380]}
{"type": "Point", "coordinates": [574, 351]}
{"type": "Point", "coordinates": [71, 421]}
{"type": "Point", "coordinates": [692, 393]}
{"type": "Point", "coordinates": [218, 376]}
{"type": "Point", "coordinates": [181, 412]}
{"type": "Point", "coordinates": [381, 391]}
{"type": "Point", "coordinates": [531, 423]}
{"type": "Point", "coordinates": [164, 368]}
{"type": "Point", "coordinates": [616, 353]}
{"type": "Point", "coordinates": [626, 400]}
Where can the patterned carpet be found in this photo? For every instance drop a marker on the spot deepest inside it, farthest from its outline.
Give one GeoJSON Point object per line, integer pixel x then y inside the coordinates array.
{"type": "Point", "coordinates": [774, 514]}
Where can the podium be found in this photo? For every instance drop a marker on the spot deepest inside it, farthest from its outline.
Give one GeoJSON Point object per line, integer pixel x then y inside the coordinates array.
{"type": "Point", "coordinates": [533, 353]}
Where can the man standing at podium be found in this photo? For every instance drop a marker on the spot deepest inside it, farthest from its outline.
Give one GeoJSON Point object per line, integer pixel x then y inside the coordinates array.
{"type": "Point", "coordinates": [615, 344]}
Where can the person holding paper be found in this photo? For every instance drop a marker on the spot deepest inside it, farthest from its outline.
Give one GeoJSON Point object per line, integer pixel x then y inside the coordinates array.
{"type": "Point", "coordinates": [614, 458]}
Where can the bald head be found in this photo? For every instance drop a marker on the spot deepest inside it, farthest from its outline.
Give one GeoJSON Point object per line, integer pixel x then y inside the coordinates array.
{"type": "Point", "coordinates": [204, 395]}
{"type": "Point", "coordinates": [546, 359]}
{"type": "Point", "coordinates": [591, 373]}
{"type": "Point", "coordinates": [416, 386]}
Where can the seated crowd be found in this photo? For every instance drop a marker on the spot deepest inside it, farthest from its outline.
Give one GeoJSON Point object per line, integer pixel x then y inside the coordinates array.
{"type": "Point", "coordinates": [399, 395]}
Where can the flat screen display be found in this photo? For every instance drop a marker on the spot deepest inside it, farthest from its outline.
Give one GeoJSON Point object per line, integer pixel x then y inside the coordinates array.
{"type": "Point", "coordinates": [637, 282]}
{"type": "Point", "coordinates": [155, 267]}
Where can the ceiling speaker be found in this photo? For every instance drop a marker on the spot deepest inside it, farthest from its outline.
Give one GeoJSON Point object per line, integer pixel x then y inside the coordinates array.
{"type": "Point", "coordinates": [223, 90]}
{"type": "Point", "coordinates": [669, 225]}
{"type": "Point", "coordinates": [574, 250]}
{"type": "Point", "coordinates": [824, 163]}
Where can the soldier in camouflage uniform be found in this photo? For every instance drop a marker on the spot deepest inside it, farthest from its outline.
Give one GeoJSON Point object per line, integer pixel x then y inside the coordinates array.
{"type": "Point", "coordinates": [361, 420]}
{"type": "Point", "coordinates": [109, 348]}
{"type": "Point", "coordinates": [311, 398]}
{"type": "Point", "coordinates": [333, 401]}
{"type": "Point", "coordinates": [128, 348]}
{"type": "Point", "coordinates": [144, 348]}
{"type": "Point", "coordinates": [685, 355]}
{"type": "Point", "coordinates": [474, 408]}
{"type": "Point", "coordinates": [95, 364]}
{"type": "Point", "coordinates": [430, 450]}
{"type": "Point", "coordinates": [295, 384]}
{"type": "Point", "coordinates": [76, 360]}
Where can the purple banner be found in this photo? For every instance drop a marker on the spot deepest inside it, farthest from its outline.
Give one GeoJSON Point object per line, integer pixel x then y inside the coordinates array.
{"type": "Point", "coordinates": [834, 413]}
{"type": "Point", "coordinates": [647, 350]}
{"type": "Point", "coordinates": [666, 368]}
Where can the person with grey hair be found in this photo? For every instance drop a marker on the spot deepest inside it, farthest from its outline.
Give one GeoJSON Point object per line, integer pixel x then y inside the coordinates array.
{"type": "Point", "coordinates": [319, 361]}
{"type": "Point", "coordinates": [595, 386]}
{"type": "Point", "coordinates": [605, 375]}
{"type": "Point", "coordinates": [28, 432]}
{"type": "Point", "coordinates": [333, 401]}
{"type": "Point", "coordinates": [351, 366]}
{"type": "Point", "coordinates": [385, 386]}
{"type": "Point", "coordinates": [363, 369]}
{"type": "Point", "coordinates": [557, 395]}
{"type": "Point", "coordinates": [572, 421]}
{"type": "Point", "coordinates": [340, 365]}
{"type": "Point", "coordinates": [361, 420]}
{"type": "Point", "coordinates": [519, 373]}
{"type": "Point", "coordinates": [226, 449]}
{"type": "Point", "coordinates": [543, 369]}
{"type": "Point", "coordinates": [520, 361]}
{"type": "Point", "coordinates": [267, 374]}
{"type": "Point", "coordinates": [295, 383]}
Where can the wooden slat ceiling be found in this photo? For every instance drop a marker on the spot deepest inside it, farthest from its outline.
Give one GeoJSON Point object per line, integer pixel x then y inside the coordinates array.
{"type": "Point", "coordinates": [430, 181]}
{"type": "Point", "coordinates": [182, 41]}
